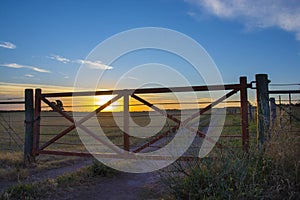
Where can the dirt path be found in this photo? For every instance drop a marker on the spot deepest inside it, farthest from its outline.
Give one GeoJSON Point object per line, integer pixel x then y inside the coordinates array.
{"type": "Point", "coordinates": [122, 186]}
{"type": "Point", "coordinates": [125, 186]}
{"type": "Point", "coordinates": [45, 174]}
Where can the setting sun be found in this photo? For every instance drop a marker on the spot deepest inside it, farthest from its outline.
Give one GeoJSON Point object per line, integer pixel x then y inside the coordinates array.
{"type": "Point", "coordinates": [101, 100]}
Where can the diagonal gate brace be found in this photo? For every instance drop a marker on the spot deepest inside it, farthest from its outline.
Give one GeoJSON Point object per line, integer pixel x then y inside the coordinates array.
{"type": "Point", "coordinates": [184, 123]}
{"type": "Point", "coordinates": [79, 123]}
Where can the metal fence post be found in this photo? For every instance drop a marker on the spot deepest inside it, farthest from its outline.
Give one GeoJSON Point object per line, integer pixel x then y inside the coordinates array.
{"type": "Point", "coordinates": [244, 113]}
{"type": "Point", "coordinates": [28, 156]}
{"type": "Point", "coordinates": [37, 117]}
{"type": "Point", "coordinates": [126, 121]}
{"type": "Point", "coordinates": [263, 109]}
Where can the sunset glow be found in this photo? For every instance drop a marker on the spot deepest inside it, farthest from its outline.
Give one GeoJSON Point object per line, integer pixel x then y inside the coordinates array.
{"type": "Point", "coordinates": [101, 100]}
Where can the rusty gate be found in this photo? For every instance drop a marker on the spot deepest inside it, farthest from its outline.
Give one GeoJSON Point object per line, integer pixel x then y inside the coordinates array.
{"type": "Point", "coordinates": [42, 100]}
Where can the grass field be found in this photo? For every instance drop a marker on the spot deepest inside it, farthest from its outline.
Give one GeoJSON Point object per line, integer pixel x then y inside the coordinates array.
{"type": "Point", "coordinates": [53, 123]}
{"type": "Point", "coordinates": [12, 137]}
{"type": "Point", "coordinates": [277, 156]}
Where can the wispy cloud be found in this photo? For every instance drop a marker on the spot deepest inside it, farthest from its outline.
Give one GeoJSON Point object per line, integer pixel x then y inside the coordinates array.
{"type": "Point", "coordinates": [59, 58]}
{"type": "Point", "coordinates": [18, 66]}
{"type": "Point", "coordinates": [256, 13]}
{"type": "Point", "coordinates": [29, 75]}
{"type": "Point", "coordinates": [7, 45]}
{"type": "Point", "coordinates": [91, 64]}
{"type": "Point", "coordinates": [94, 64]}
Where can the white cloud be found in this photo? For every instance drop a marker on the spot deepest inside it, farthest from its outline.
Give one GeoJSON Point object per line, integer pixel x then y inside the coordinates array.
{"type": "Point", "coordinates": [91, 64]}
{"type": "Point", "coordinates": [29, 75]}
{"type": "Point", "coordinates": [18, 66]}
{"type": "Point", "coordinates": [284, 14]}
{"type": "Point", "coordinates": [94, 64]}
{"type": "Point", "coordinates": [59, 58]}
{"type": "Point", "coordinates": [7, 45]}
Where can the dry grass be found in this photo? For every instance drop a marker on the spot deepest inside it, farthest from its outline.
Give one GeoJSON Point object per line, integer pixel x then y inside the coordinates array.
{"type": "Point", "coordinates": [272, 174]}
{"type": "Point", "coordinates": [49, 188]}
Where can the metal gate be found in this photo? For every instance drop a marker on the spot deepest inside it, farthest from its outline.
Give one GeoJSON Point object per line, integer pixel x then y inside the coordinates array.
{"type": "Point", "coordinates": [43, 100]}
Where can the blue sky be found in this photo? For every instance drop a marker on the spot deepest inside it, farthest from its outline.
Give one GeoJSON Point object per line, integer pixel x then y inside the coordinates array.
{"type": "Point", "coordinates": [44, 42]}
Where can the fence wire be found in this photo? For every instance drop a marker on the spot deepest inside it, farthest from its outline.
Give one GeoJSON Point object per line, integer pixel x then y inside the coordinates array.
{"type": "Point", "coordinates": [11, 131]}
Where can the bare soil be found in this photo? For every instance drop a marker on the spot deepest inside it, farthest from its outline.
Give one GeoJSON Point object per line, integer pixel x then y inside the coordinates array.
{"type": "Point", "coordinates": [121, 186]}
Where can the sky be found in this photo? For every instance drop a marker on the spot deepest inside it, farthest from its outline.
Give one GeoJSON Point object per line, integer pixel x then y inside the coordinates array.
{"type": "Point", "coordinates": [44, 43]}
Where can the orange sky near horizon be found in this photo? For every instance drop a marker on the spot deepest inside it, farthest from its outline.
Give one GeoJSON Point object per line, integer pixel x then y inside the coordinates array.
{"type": "Point", "coordinates": [90, 103]}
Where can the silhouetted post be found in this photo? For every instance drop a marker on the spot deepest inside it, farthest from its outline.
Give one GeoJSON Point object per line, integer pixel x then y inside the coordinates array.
{"type": "Point", "coordinates": [244, 113]}
{"type": "Point", "coordinates": [280, 112]}
{"type": "Point", "coordinates": [37, 118]}
{"type": "Point", "coordinates": [28, 156]}
{"type": "Point", "coordinates": [273, 110]}
{"type": "Point", "coordinates": [263, 109]}
{"type": "Point", "coordinates": [126, 122]}
{"type": "Point", "coordinates": [290, 108]}
{"type": "Point", "coordinates": [250, 109]}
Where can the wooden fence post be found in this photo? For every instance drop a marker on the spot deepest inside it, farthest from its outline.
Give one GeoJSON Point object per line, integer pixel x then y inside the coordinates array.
{"type": "Point", "coordinates": [263, 109]}
{"type": "Point", "coordinates": [28, 156]}
{"type": "Point", "coordinates": [37, 118]}
{"type": "Point", "coordinates": [126, 121]}
{"type": "Point", "coordinates": [244, 113]}
{"type": "Point", "coordinates": [273, 110]}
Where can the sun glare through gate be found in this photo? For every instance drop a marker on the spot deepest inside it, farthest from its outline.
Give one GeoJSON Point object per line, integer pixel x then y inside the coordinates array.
{"type": "Point", "coordinates": [101, 100]}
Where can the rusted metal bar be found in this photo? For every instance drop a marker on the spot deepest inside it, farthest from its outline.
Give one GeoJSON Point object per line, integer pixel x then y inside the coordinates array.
{"type": "Point", "coordinates": [65, 153]}
{"type": "Point", "coordinates": [119, 156]}
{"type": "Point", "coordinates": [36, 125]}
{"type": "Point", "coordinates": [148, 90]}
{"type": "Point", "coordinates": [126, 122]}
{"type": "Point", "coordinates": [244, 113]}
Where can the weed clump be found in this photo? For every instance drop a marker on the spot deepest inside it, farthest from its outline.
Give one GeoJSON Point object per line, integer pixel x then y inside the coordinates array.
{"type": "Point", "coordinates": [273, 174]}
